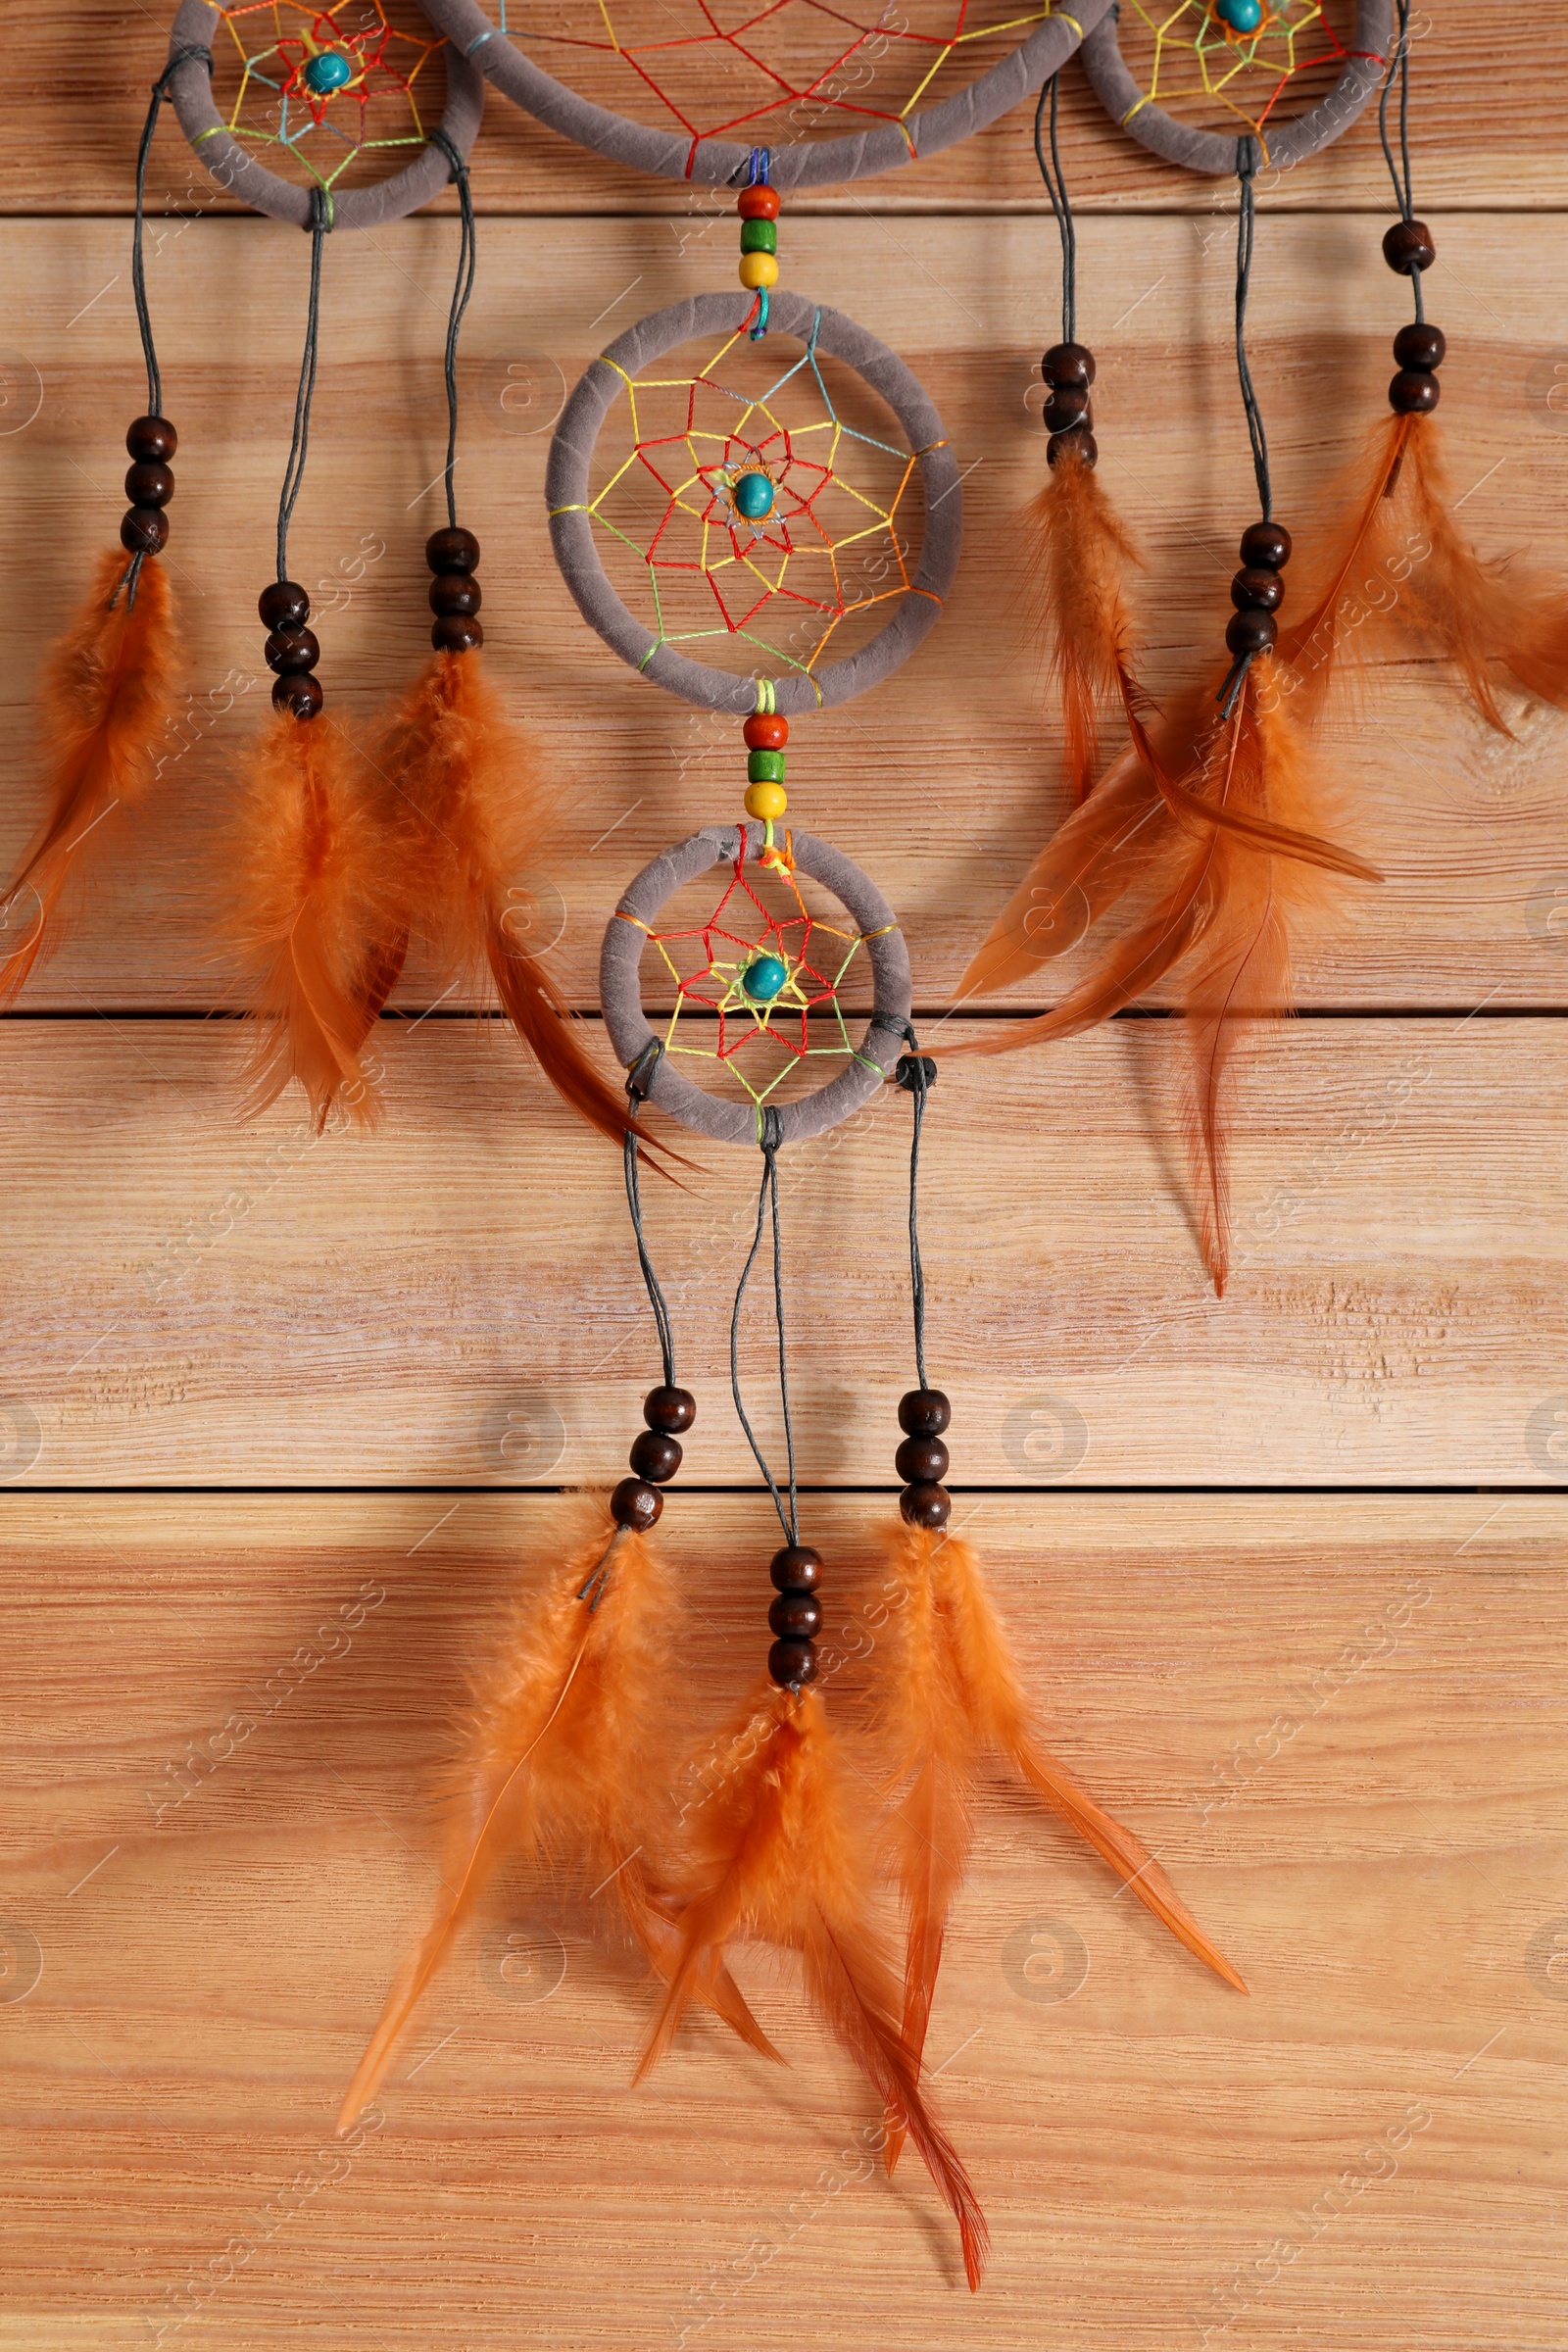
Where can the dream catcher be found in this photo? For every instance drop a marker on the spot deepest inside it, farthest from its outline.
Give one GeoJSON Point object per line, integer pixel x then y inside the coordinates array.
{"type": "Point", "coordinates": [757, 500]}
{"type": "Point", "coordinates": [1211, 821]}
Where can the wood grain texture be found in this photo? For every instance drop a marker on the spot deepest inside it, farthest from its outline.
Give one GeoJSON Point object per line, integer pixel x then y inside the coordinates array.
{"type": "Point", "coordinates": [944, 780]}
{"type": "Point", "coordinates": [457, 1300]}
{"type": "Point", "coordinates": [1486, 114]}
{"type": "Point", "coordinates": [1285, 1697]}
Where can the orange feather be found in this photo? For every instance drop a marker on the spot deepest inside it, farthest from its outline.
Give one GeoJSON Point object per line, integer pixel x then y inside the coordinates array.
{"type": "Point", "coordinates": [471, 813]}
{"type": "Point", "coordinates": [1078, 552]}
{"type": "Point", "coordinates": [772, 1857]}
{"type": "Point", "coordinates": [107, 698]}
{"type": "Point", "coordinates": [1219, 903]}
{"type": "Point", "coordinates": [314, 916]}
{"type": "Point", "coordinates": [561, 1761]}
{"type": "Point", "coordinates": [948, 1699]}
{"type": "Point", "coordinates": [1402, 558]}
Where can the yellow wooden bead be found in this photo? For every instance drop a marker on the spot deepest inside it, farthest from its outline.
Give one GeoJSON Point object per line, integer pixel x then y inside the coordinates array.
{"type": "Point", "coordinates": [765, 800]}
{"type": "Point", "coordinates": [758, 269]}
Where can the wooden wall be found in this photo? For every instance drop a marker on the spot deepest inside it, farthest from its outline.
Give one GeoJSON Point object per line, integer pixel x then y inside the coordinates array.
{"type": "Point", "coordinates": [1285, 1571]}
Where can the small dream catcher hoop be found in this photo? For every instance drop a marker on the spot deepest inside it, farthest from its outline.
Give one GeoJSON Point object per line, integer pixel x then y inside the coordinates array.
{"type": "Point", "coordinates": [573, 1738]}
{"type": "Point", "coordinates": [765, 97]}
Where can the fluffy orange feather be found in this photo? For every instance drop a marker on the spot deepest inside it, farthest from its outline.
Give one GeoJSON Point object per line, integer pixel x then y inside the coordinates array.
{"type": "Point", "coordinates": [561, 1760]}
{"type": "Point", "coordinates": [773, 1857]}
{"type": "Point", "coordinates": [471, 813]}
{"type": "Point", "coordinates": [950, 1700]}
{"type": "Point", "coordinates": [1077, 554]}
{"type": "Point", "coordinates": [107, 697]}
{"type": "Point", "coordinates": [1401, 557]}
{"type": "Point", "coordinates": [314, 918]}
{"type": "Point", "coordinates": [1217, 901]}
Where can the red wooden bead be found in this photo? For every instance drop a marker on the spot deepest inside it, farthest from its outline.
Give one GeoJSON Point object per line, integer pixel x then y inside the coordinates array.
{"type": "Point", "coordinates": [765, 731]}
{"type": "Point", "coordinates": [757, 204]}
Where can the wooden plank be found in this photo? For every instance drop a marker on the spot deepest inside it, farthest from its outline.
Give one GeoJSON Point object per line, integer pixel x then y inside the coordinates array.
{"type": "Point", "coordinates": [941, 779]}
{"type": "Point", "coordinates": [1285, 1696]}
{"type": "Point", "coordinates": [457, 1301]}
{"type": "Point", "coordinates": [1483, 121]}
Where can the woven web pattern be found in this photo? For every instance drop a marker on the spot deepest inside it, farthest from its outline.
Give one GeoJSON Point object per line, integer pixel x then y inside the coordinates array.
{"type": "Point", "coordinates": [327, 86]}
{"type": "Point", "coordinates": [772, 74]}
{"type": "Point", "coordinates": [714, 964]}
{"type": "Point", "coordinates": [830, 547]}
{"type": "Point", "coordinates": [1184, 51]}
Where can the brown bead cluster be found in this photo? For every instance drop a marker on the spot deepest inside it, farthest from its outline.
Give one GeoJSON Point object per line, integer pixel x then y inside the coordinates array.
{"type": "Point", "coordinates": [291, 649]}
{"type": "Point", "coordinates": [923, 1459]}
{"type": "Point", "coordinates": [1257, 590]}
{"type": "Point", "coordinates": [655, 1457]}
{"type": "Point", "coordinates": [149, 485]}
{"type": "Point", "coordinates": [1068, 370]}
{"type": "Point", "coordinates": [453, 554]}
{"type": "Point", "coordinates": [796, 1616]}
{"type": "Point", "coordinates": [1419, 350]}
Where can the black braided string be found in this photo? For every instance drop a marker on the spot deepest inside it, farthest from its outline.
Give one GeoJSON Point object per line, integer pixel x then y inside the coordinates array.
{"type": "Point", "coordinates": [768, 1205]}
{"type": "Point", "coordinates": [138, 272]}
{"type": "Point", "coordinates": [1399, 173]}
{"type": "Point", "coordinates": [294, 470]}
{"type": "Point", "coordinates": [638, 1078]}
{"type": "Point", "coordinates": [1247, 160]}
{"type": "Point", "coordinates": [1057, 189]}
{"type": "Point", "coordinates": [462, 290]}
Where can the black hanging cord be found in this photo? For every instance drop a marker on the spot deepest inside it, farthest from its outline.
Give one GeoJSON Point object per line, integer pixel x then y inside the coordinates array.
{"type": "Point", "coordinates": [1399, 173]}
{"type": "Point", "coordinates": [767, 1203]}
{"type": "Point", "coordinates": [138, 275]}
{"type": "Point", "coordinates": [294, 470]}
{"type": "Point", "coordinates": [918, 1075]}
{"type": "Point", "coordinates": [462, 288]}
{"type": "Point", "coordinates": [637, 1082]}
{"type": "Point", "coordinates": [1057, 189]}
{"type": "Point", "coordinates": [1247, 159]}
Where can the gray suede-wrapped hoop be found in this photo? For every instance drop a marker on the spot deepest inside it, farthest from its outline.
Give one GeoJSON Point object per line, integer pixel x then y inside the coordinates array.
{"type": "Point", "coordinates": [631, 1034]}
{"type": "Point", "coordinates": [235, 169]}
{"type": "Point", "coordinates": [572, 531]}
{"type": "Point", "coordinates": [801, 164]}
{"type": "Point", "coordinates": [1214, 152]}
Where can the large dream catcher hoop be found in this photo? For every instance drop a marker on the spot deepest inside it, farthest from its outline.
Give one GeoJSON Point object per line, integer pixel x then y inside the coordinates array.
{"type": "Point", "coordinates": [744, 89]}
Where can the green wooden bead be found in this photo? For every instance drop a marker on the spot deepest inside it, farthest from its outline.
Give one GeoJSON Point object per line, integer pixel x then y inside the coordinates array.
{"type": "Point", "coordinates": [764, 767]}
{"type": "Point", "coordinates": [759, 236]}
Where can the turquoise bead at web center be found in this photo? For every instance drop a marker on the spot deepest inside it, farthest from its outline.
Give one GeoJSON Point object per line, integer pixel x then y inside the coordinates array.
{"type": "Point", "coordinates": [1242, 16]}
{"type": "Point", "coordinates": [754, 496]}
{"type": "Point", "coordinates": [763, 979]}
{"type": "Point", "coordinates": [329, 71]}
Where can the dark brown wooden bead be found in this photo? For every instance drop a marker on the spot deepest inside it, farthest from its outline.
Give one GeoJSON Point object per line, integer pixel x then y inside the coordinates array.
{"type": "Point", "coordinates": [923, 1412]}
{"type": "Point", "coordinates": [456, 633]}
{"type": "Point", "coordinates": [1424, 346]}
{"type": "Point", "coordinates": [925, 1505]}
{"type": "Point", "coordinates": [796, 1616]}
{"type": "Point", "coordinates": [451, 550]}
{"type": "Point", "coordinates": [292, 649]}
{"type": "Point", "coordinates": [636, 1504]}
{"type": "Point", "coordinates": [1254, 590]}
{"type": "Point", "coordinates": [1414, 393]}
{"type": "Point", "coordinates": [1408, 246]}
{"type": "Point", "coordinates": [792, 1663]}
{"type": "Point", "coordinates": [1252, 633]}
{"type": "Point", "coordinates": [655, 1456]}
{"type": "Point", "coordinates": [148, 484]}
{"type": "Point", "coordinates": [283, 605]}
{"type": "Point", "coordinates": [1265, 547]}
{"type": "Point", "coordinates": [144, 531]}
{"type": "Point", "coordinates": [796, 1569]}
{"type": "Point", "coordinates": [1068, 363]}
{"type": "Point", "coordinates": [299, 692]}
{"type": "Point", "coordinates": [1079, 447]}
{"type": "Point", "coordinates": [455, 592]}
{"type": "Point", "coordinates": [670, 1409]}
{"type": "Point", "coordinates": [152, 440]}
{"type": "Point", "coordinates": [1067, 406]}
{"type": "Point", "coordinates": [921, 1461]}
